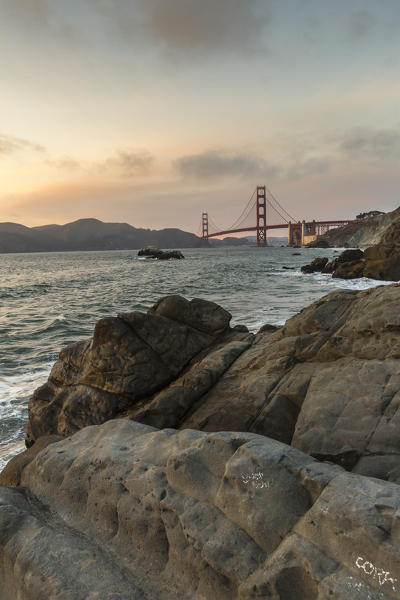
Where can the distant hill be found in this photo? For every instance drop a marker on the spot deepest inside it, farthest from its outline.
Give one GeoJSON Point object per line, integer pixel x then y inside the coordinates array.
{"type": "Point", "coordinates": [92, 234]}
{"type": "Point", "coordinates": [272, 241]}
{"type": "Point", "coordinates": [383, 228]}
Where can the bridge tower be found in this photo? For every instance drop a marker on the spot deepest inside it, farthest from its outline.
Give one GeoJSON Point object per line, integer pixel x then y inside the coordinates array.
{"type": "Point", "coordinates": [204, 236]}
{"type": "Point", "coordinates": [261, 216]}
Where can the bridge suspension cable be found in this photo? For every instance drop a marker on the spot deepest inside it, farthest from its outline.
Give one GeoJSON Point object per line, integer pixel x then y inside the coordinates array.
{"type": "Point", "coordinates": [242, 217]}
{"type": "Point", "coordinates": [240, 223]}
{"type": "Point", "coordinates": [281, 207]}
{"type": "Point", "coordinates": [277, 211]}
{"type": "Point", "coordinates": [199, 229]}
{"type": "Point", "coordinates": [213, 224]}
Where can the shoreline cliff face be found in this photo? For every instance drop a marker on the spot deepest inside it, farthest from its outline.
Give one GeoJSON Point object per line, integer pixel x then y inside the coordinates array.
{"type": "Point", "coordinates": [381, 229]}
{"type": "Point", "coordinates": [175, 457]}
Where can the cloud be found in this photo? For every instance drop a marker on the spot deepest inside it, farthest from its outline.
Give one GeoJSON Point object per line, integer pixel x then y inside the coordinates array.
{"type": "Point", "coordinates": [308, 166]}
{"type": "Point", "coordinates": [10, 144]}
{"type": "Point", "coordinates": [215, 165]}
{"type": "Point", "coordinates": [129, 162]}
{"type": "Point", "coordinates": [218, 165]}
{"type": "Point", "coordinates": [207, 25]}
{"type": "Point", "coordinates": [183, 27]}
{"type": "Point", "coordinates": [379, 144]}
{"type": "Point", "coordinates": [124, 163]}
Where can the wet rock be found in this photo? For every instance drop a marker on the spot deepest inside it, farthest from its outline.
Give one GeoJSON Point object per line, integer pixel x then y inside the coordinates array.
{"type": "Point", "coordinates": [330, 266]}
{"type": "Point", "coordinates": [125, 511]}
{"type": "Point", "coordinates": [316, 266]}
{"type": "Point", "coordinates": [377, 262]}
{"type": "Point", "coordinates": [351, 269]}
{"type": "Point", "coordinates": [386, 269]}
{"type": "Point", "coordinates": [153, 252]}
{"type": "Point", "coordinates": [351, 255]}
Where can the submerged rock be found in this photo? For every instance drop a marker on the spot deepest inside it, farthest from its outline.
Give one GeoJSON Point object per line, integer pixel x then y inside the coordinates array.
{"type": "Point", "coordinates": [326, 382]}
{"type": "Point", "coordinates": [125, 511]}
{"type": "Point", "coordinates": [153, 252]}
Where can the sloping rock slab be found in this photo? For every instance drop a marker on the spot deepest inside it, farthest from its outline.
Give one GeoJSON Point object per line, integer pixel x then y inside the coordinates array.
{"type": "Point", "coordinates": [124, 511]}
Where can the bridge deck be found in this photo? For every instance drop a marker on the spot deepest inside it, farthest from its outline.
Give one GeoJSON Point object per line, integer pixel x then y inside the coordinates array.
{"type": "Point", "coordinates": [280, 226]}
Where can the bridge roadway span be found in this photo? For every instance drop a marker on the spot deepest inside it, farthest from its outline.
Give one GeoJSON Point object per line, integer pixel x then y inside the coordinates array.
{"type": "Point", "coordinates": [280, 226]}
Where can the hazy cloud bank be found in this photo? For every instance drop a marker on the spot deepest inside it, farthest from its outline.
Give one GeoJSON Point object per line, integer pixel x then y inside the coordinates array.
{"type": "Point", "coordinates": [124, 163]}
{"type": "Point", "coordinates": [215, 164]}
{"type": "Point", "coordinates": [10, 144]}
{"type": "Point", "coordinates": [189, 26]}
{"type": "Point", "coordinates": [378, 144]}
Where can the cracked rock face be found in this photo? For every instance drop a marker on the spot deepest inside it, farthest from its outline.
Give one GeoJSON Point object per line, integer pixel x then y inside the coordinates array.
{"type": "Point", "coordinates": [328, 382]}
{"type": "Point", "coordinates": [130, 358]}
{"type": "Point", "coordinates": [125, 511]}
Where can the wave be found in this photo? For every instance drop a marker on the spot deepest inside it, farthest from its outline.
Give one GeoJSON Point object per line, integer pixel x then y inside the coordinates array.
{"type": "Point", "coordinates": [14, 392]}
{"type": "Point", "coordinates": [17, 387]}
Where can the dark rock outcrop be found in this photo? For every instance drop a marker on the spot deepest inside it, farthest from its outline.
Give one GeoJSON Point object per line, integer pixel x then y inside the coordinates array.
{"type": "Point", "coordinates": [330, 266]}
{"type": "Point", "coordinates": [327, 382]}
{"type": "Point", "coordinates": [350, 255]}
{"type": "Point", "coordinates": [377, 262]}
{"type": "Point", "coordinates": [380, 229]}
{"type": "Point", "coordinates": [316, 266]}
{"type": "Point", "coordinates": [124, 511]}
{"type": "Point", "coordinates": [153, 252]}
{"type": "Point", "coordinates": [318, 243]}
{"type": "Point", "coordinates": [130, 359]}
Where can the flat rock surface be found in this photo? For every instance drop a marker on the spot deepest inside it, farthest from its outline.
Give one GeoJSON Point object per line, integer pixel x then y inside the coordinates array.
{"type": "Point", "coordinates": [126, 511]}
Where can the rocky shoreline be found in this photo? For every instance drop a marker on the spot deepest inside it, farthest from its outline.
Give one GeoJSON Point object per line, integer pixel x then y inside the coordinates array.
{"type": "Point", "coordinates": [379, 262]}
{"type": "Point", "coordinates": [174, 456]}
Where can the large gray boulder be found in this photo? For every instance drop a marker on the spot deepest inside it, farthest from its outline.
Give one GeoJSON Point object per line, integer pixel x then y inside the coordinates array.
{"type": "Point", "coordinates": [123, 511]}
{"type": "Point", "coordinates": [327, 382]}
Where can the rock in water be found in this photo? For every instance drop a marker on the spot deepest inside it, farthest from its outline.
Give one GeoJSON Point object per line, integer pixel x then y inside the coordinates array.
{"type": "Point", "coordinates": [327, 382]}
{"type": "Point", "coordinates": [125, 511]}
{"type": "Point", "coordinates": [316, 266]}
{"type": "Point", "coordinates": [377, 262]}
{"type": "Point", "coordinates": [153, 252]}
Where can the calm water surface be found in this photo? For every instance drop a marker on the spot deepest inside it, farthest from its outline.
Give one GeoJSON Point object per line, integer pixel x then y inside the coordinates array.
{"type": "Point", "coordinates": [52, 299]}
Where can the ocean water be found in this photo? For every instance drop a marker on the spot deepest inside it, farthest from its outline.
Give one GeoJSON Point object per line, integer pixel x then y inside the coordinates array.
{"type": "Point", "coordinates": [49, 300]}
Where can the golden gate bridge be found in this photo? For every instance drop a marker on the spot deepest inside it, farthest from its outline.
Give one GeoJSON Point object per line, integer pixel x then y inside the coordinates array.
{"type": "Point", "coordinates": [260, 215]}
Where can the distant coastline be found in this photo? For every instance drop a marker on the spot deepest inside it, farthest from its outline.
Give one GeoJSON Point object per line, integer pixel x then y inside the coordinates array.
{"type": "Point", "coordinates": [95, 235]}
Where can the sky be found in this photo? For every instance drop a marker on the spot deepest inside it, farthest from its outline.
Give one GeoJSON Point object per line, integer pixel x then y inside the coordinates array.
{"type": "Point", "coordinates": [153, 111]}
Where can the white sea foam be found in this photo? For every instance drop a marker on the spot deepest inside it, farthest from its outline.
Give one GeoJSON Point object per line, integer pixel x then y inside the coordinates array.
{"type": "Point", "coordinates": [363, 283]}
{"type": "Point", "coordinates": [15, 387]}
{"type": "Point", "coordinates": [9, 451]}
{"type": "Point", "coordinates": [14, 392]}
